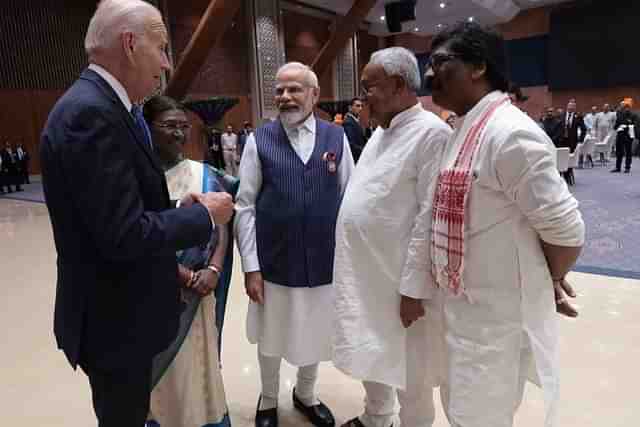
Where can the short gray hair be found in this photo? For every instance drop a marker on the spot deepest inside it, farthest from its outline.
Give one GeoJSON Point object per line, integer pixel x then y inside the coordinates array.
{"type": "Point", "coordinates": [113, 18]}
{"type": "Point", "coordinates": [398, 61]}
{"type": "Point", "coordinates": [310, 77]}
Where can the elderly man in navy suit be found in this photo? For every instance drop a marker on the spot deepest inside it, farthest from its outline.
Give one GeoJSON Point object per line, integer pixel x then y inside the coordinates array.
{"type": "Point", "coordinates": [115, 229]}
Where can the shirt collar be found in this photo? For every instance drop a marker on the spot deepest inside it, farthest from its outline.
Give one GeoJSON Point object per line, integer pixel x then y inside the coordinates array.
{"type": "Point", "coordinates": [309, 125]}
{"type": "Point", "coordinates": [404, 115]}
{"type": "Point", "coordinates": [114, 83]}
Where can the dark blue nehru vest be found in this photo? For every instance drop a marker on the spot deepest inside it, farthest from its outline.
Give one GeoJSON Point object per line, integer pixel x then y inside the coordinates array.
{"type": "Point", "coordinates": [297, 207]}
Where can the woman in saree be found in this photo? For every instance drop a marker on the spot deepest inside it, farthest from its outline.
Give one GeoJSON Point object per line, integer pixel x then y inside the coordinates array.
{"type": "Point", "coordinates": [188, 389]}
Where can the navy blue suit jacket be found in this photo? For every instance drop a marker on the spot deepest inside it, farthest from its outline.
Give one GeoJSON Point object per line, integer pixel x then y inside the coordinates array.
{"type": "Point", "coordinates": [355, 135]}
{"type": "Point", "coordinates": [117, 298]}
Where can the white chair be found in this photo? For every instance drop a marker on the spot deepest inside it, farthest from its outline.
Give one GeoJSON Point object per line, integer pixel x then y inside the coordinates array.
{"type": "Point", "coordinates": [587, 150]}
{"type": "Point", "coordinates": [573, 157]}
{"type": "Point", "coordinates": [604, 148]}
{"type": "Point", "coordinates": [573, 163]}
{"type": "Point", "coordinates": [562, 159]}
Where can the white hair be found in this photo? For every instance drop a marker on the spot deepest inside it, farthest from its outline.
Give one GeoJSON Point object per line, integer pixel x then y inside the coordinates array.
{"type": "Point", "coordinates": [398, 61]}
{"type": "Point", "coordinates": [310, 78]}
{"type": "Point", "coordinates": [113, 18]}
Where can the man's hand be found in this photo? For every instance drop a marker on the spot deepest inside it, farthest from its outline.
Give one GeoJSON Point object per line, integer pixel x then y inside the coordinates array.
{"type": "Point", "coordinates": [205, 282]}
{"type": "Point", "coordinates": [254, 285]}
{"type": "Point", "coordinates": [184, 276]}
{"type": "Point", "coordinates": [188, 200]}
{"type": "Point", "coordinates": [562, 288]}
{"type": "Point", "coordinates": [219, 205]}
{"type": "Point", "coordinates": [410, 310]}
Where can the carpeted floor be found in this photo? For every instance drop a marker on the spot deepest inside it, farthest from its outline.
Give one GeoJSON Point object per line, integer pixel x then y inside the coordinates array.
{"type": "Point", "coordinates": [610, 205]}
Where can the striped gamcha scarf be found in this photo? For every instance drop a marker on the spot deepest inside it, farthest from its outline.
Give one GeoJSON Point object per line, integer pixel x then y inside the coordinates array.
{"type": "Point", "coordinates": [448, 222]}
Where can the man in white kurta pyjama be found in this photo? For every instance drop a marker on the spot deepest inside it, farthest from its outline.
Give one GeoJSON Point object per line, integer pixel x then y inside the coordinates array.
{"type": "Point", "coordinates": [382, 243]}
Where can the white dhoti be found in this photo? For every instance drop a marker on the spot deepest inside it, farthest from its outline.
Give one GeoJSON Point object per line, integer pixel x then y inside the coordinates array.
{"type": "Point", "coordinates": [293, 323]}
{"type": "Point", "coordinates": [416, 401]}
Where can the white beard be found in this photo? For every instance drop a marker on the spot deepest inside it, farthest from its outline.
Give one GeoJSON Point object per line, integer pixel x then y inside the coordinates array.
{"type": "Point", "coordinates": [291, 118]}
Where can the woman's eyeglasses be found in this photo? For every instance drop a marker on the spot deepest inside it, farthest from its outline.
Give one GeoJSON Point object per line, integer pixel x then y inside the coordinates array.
{"type": "Point", "coordinates": [173, 125]}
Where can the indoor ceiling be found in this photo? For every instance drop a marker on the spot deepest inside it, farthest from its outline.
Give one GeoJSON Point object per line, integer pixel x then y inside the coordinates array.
{"type": "Point", "coordinates": [431, 16]}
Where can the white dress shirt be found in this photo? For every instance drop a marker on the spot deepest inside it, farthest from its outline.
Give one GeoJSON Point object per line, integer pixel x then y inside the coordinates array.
{"type": "Point", "coordinates": [229, 141]}
{"type": "Point", "coordinates": [115, 85]}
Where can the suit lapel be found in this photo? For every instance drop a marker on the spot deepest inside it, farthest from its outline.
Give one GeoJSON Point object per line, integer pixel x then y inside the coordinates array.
{"type": "Point", "coordinates": [126, 116]}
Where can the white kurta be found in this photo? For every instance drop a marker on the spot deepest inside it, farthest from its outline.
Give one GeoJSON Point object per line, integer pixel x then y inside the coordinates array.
{"type": "Point", "coordinates": [605, 123]}
{"type": "Point", "coordinates": [382, 241]}
{"type": "Point", "coordinates": [293, 323]}
{"type": "Point", "coordinates": [508, 329]}
{"type": "Point", "coordinates": [590, 123]}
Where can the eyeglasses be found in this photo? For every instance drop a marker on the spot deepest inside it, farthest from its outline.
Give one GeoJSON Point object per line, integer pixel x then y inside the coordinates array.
{"type": "Point", "coordinates": [173, 125]}
{"type": "Point", "coordinates": [438, 60]}
{"type": "Point", "coordinates": [365, 88]}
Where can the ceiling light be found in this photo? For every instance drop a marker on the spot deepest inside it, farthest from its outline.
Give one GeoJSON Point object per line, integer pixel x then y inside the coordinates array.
{"type": "Point", "coordinates": [471, 19]}
{"type": "Point", "coordinates": [439, 25]}
{"type": "Point", "coordinates": [416, 29]}
{"type": "Point", "coordinates": [443, 5]}
{"type": "Point", "coordinates": [382, 18]}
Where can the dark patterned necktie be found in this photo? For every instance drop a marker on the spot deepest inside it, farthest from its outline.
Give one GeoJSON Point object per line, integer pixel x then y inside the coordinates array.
{"type": "Point", "coordinates": [138, 117]}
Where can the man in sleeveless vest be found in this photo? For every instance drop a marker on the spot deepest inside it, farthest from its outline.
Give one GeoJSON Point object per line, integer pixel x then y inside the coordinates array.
{"type": "Point", "coordinates": [293, 174]}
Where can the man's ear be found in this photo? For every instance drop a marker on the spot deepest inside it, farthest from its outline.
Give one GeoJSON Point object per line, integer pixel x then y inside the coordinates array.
{"type": "Point", "coordinates": [479, 70]}
{"type": "Point", "coordinates": [398, 84]}
{"type": "Point", "coordinates": [129, 45]}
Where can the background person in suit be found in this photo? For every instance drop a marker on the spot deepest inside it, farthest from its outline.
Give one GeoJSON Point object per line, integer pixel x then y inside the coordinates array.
{"type": "Point", "coordinates": [23, 159]}
{"type": "Point", "coordinates": [3, 180]}
{"type": "Point", "coordinates": [571, 122]}
{"type": "Point", "coordinates": [11, 166]}
{"type": "Point", "coordinates": [242, 138]}
{"type": "Point", "coordinates": [353, 129]}
{"type": "Point", "coordinates": [115, 233]}
{"type": "Point", "coordinates": [552, 125]}
{"type": "Point", "coordinates": [626, 128]}
{"type": "Point", "coordinates": [370, 128]}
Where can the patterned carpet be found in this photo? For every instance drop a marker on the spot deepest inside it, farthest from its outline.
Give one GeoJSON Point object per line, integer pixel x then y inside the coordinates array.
{"type": "Point", "coordinates": [610, 205]}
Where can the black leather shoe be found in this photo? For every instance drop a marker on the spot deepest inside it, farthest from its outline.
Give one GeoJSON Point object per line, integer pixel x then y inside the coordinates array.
{"type": "Point", "coordinates": [627, 171]}
{"type": "Point", "coordinates": [267, 417]}
{"type": "Point", "coordinates": [615, 171]}
{"type": "Point", "coordinates": [319, 415]}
